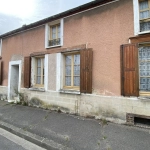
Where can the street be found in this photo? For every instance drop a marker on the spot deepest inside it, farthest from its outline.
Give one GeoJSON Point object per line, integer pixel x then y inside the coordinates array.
{"type": "Point", "coordinates": [64, 131]}
{"type": "Point", "coordinates": [9, 141]}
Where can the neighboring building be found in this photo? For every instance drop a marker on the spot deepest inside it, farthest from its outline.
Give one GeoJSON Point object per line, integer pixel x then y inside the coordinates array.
{"type": "Point", "coordinates": [73, 60]}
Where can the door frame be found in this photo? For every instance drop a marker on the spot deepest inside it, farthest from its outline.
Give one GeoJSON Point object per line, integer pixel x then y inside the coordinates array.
{"type": "Point", "coordinates": [12, 63]}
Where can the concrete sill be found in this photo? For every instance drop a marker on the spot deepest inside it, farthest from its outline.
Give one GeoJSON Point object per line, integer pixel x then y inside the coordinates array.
{"type": "Point", "coordinates": [69, 91]}
{"type": "Point", "coordinates": [48, 47]}
{"type": "Point", "coordinates": [37, 89]}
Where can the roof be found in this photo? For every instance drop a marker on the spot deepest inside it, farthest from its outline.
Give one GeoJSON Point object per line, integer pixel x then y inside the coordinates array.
{"type": "Point", "coordinates": [78, 9]}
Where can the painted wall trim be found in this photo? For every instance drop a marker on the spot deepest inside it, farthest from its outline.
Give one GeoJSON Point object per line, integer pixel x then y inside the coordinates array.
{"type": "Point", "coordinates": [61, 30]}
{"type": "Point", "coordinates": [11, 63]}
{"type": "Point", "coordinates": [136, 17]}
{"type": "Point", "coordinates": [46, 35]}
{"type": "Point", "coordinates": [58, 71]}
{"type": "Point", "coordinates": [46, 73]}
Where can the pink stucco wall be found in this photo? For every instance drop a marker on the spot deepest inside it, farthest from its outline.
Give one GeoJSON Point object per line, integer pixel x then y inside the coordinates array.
{"type": "Point", "coordinates": [104, 29]}
{"type": "Point", "coordinates": [22, 44]}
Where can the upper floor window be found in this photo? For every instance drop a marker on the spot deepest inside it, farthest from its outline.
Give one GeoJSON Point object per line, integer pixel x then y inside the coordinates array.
{"type": "Point", "coordinates": [54, 38]}
{"type": "Point", "coordinates": [54, 34]}
{"type": "Point", "coordinates": [144, 15]}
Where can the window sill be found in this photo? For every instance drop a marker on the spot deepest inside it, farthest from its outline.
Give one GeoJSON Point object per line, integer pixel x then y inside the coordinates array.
{"type": "Point", "coordinates": [144, 32]}
{"type": "Point", "coordinates": [69, 91]}
{"type": "Point", "coordinates": [37, 89]}
{"type": "Point", "coordinates": [53, 46]}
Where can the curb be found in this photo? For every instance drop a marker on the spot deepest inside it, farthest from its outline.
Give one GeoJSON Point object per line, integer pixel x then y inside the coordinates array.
{"type": "Point", "coordinates": [36, 139]}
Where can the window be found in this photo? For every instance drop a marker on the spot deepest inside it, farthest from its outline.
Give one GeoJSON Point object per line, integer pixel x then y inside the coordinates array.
{"type": "Point", "coordinates": [54, 34]}
{"type": "Point", "coordinates": [135, 73]}
{"type": "Point", "coordinates": [144, 15]}
{"type": "Point", "coordinates": [72, 71]}
{"type": "Point", "coordinates": [36, 72]}
{"type": "Point", "coordinates": [39, 71]}
{"type": "Point", "coordinates": [144, 68]}
{"type": "Point", "coordinates": [76, 70]}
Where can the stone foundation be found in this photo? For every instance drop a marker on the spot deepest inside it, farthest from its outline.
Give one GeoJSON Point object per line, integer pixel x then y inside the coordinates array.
{"type": "Point", "coordinates": [89, 105]}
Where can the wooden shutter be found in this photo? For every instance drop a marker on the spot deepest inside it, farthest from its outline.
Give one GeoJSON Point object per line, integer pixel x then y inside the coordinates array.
{"type": "Point", "coordinates": [86, 58]}
{"type": "Point", "coordinates": [27, 71]}
{"type": "Point", "coordinates": [129, 70]}
{"type": "Point", "coordinates": [0, 72]}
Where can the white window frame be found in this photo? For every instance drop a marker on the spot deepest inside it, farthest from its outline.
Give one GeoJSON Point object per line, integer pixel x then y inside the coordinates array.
{"type": "Point", "coordinates": [34, 72]}
{"type": "Point", "coordinates": [48, 32]}
{"type": "Point", "coordinates": [137, 19]}
{"type": "Point", "coordinates": [72, 87]}
{"type": "Point", "coordinates": [60, 71]}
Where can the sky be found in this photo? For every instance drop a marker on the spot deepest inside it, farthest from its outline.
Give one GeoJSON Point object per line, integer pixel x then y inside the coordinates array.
{"type": "Point", "coordinates": [15, 13]}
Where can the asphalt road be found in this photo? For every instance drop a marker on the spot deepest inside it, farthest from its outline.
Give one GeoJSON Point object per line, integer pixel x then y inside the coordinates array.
{"type": "Point", "coordinates": [73, 131]}
{"type": "Point", "coordinates": [9, 141]}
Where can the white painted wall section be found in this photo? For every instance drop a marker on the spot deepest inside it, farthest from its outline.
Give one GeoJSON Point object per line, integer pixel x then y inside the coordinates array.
{"type": "Point", "coordinates": [46, 35]}
{"type": "Point", "coordinates": [136, 17]}
{"type": "Point", "coordinates": [61, 31]}
{"type": "Point", "coordinates": [46, 73]}
{"type": "Point", "coordinates": [58, 71]}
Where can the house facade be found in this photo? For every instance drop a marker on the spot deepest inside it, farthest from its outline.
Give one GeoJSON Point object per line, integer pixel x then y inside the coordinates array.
{"type": "Point", "coordinates": [92, 60]}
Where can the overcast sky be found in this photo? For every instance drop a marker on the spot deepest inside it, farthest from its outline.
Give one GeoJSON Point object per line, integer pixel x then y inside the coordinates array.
{"type": "Point", "coordinates": [15, 13]}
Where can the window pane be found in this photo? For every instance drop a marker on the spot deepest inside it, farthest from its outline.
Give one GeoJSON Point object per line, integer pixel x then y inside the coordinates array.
{"type": "Point", "coordinates": [144, 5]}
{"type": "Point", "coordinates": [144, 14]}
{"type": "Point", "coordinates": [145, 84]}
{"type": "Point", "coordinates": [58, 35]}
{"type": "Point", "coordinates": [77, 59]}
{"type": "Point", "coordinates": [53, 36]}
{"type": "Point", "coordinates": [43, 79]}
{"type": "Point", "coordinates": [68, 81]}
{"type": "Point", "coordinates": [58, 28]}
{"type": "Point", "coordinates": [58, 31]}
{"type": "Point", "coordinates": [39, 62]}
{"type": "Point", "coordinates": [77, 70]}
{"type": "Point", "coordinates": [144, 68]}
{"type": "Point", "coordinates": [68, 60]}
{"type": "Point", "coordinates": [38, 71]}
{"type": "Point", "coordinates": [145, 26]}
{"type": "Point", "coordinates": [54, 30]}
{"type": "Point", "coordinates": [76, 81]}
{"type": "Point", "coordinates": [38, 80]}
{"type": "Point", "coordinates": [68, 70]}
{"type": "Point", "coordinates": [144, 53]}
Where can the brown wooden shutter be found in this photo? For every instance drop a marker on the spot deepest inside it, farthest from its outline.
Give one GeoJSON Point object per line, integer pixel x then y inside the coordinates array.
{"type": "Point", "coordinates": [86, 58]}
{"type": "Point", "coordinates": [27, 71]}
{"type": "Point", "coordinates": [0, 72]}
{"type": "Point", "coordinates": [129, 70]}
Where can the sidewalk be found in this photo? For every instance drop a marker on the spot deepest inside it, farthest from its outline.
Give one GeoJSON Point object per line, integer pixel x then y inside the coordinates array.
{"type": "Point", "coordinates": [53, 130]}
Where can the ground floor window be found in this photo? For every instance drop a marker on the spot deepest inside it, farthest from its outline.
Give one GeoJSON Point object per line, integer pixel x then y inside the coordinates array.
{"type": "Point", "coordinates": [144, 68]}
{"type": "Point", "coordinates": [72, 71]}
{"type": "Point", "coordinates": [39, 71]}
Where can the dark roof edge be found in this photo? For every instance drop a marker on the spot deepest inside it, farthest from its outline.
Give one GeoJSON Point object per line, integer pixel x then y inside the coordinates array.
{"type": "Point", "coordinates": [58, 16]}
